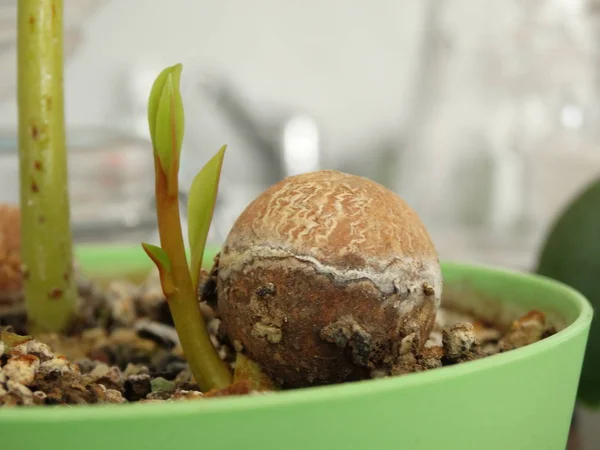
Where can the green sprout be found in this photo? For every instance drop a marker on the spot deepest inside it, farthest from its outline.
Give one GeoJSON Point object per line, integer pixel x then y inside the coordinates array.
{"type": "Point", "coordinates": [46, 247]}
{"type": "Point", "coordinates": [179, 283]}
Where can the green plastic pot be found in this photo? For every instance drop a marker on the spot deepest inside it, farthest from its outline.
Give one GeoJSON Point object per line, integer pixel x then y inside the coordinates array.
{"type": "Point", "coordinates": [522, 399]}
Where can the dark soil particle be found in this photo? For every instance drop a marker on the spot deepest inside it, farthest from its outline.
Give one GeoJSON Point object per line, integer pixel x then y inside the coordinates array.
{"type": "Point", "coordinates": [348, 333]}
{"type": "Point", "coordinates": [137, 387]}
{"type": "Point", "coordinates": [124, 348]}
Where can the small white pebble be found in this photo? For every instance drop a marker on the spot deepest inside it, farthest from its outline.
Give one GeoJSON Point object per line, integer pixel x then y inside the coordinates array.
{"type": "Point", "coordinates": [40, 395]}
{"type": "Point", "coordinates": [40, 349]}
{"type": "Point", "coordinates": [21, 369]}
{"type": "Point", "coordinates": [113, 396]}
{"type": "Point", "coordinates": [18, 389]}
{"type": "Point", "coordinates": [56, 365]}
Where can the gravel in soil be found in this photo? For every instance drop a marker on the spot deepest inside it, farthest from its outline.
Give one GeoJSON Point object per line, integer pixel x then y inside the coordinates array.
{"type": "Point", "coordinates": [124, 348]}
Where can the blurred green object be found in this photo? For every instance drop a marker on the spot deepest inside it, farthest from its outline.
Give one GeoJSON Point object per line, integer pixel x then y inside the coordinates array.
{"type": "Point", "coordinates": [518, 400]}
{"type": "Point", "coordinates": [571, 254]}
{"type": "Point", "coordinates": [120, 260]}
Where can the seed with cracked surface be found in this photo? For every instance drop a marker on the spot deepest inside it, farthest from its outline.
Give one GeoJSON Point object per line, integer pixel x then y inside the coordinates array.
{"type": "Point", "coordinates": [323, 275]}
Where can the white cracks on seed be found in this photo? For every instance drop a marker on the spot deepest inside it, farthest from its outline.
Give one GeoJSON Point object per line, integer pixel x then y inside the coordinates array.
{"type": "Point", "coordinates": [402, 275]}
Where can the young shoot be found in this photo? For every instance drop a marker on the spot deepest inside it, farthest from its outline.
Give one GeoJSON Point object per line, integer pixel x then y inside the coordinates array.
{"type": "Point", "coordinates": [178, 279]}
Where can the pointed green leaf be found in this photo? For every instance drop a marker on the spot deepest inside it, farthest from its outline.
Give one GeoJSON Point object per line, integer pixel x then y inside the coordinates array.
{"type": "Point", "coordinates": [571, 255]}
{"type": "Point", "coordinates": [155, 94]}
{"type": "Point", "coordinates": [166, 119]}
{"type": "Point", "coordinates": [201, 204]}
{"type": "Point", "coordinates": [163, 263]}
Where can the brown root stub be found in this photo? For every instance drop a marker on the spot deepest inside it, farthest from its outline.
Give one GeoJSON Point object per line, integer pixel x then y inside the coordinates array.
{"type": "Point", "coordinates": [324, 275]}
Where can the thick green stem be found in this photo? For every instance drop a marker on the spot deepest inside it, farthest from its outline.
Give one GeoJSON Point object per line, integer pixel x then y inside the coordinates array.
{"type": "Point", "coordinates": [209, 370]}
{"type": "Point", "coordinates": [50, 292]}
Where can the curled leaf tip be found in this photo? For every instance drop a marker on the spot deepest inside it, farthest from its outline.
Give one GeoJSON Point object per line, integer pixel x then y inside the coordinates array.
{"type": "Point", "coordinates": [163, 264]}
{"type": "Point", "coordinates": [166, 119]}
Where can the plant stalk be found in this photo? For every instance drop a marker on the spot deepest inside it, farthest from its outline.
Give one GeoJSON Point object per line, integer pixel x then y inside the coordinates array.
{"type": "Point", "coordinates": [46, 244]}
{"type": "Point", "coordinates": [210, 372]}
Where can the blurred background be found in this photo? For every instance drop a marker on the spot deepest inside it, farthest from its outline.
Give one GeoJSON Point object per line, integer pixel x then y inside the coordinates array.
{"type": "Point", "coordinates": [483, 115]}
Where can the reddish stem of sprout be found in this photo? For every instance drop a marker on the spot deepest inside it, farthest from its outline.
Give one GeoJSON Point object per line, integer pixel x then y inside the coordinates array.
{"type": "Point", "coordinates": [209, 371]}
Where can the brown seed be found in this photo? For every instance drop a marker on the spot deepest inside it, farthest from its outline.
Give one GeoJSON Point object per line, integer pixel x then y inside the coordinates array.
{"type": "Point", "coordinates": [323, 275]}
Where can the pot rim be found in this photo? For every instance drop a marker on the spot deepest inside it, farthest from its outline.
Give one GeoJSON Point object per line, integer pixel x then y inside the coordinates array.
{"type": "Point", "coordinates": [225, 405]}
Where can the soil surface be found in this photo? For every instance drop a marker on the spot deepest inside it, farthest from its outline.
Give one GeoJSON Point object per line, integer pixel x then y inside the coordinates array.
{"type": "Point", "coordinates": [124, 348]}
